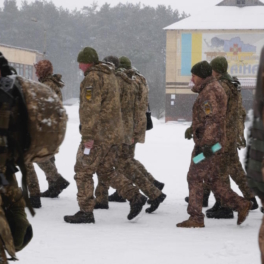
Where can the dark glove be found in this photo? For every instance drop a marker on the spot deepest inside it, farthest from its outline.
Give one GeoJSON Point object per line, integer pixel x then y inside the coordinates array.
{"type": "Point", "coordinates": [207, 151]}
{"type": "Point", "coordinates": [188, 133]}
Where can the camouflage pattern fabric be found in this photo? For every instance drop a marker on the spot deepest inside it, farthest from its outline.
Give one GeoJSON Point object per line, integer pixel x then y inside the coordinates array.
{"type": "Point", "coordinates": [241, 141]}
{"type": "Point", "coordinates": [43, 68]}
{"type": "Point", "coordinates": [101, 160]}
{"type": "Point", "coordinates": [55, 83]}
{"type": "Point", "coordinates": [128, 168]}
{"type": "Point", "coordinates": [128, 92]}
{"type": "Point", "coordinates": [101, 120]}
{"type": "Point", "coordinates": [14, 209]}
{"type": "Point", "coordinates": [209, 171]}
{"type": "Point", "coordinates": [140, 128]}
{"type": "Point", "coordinates": [5, 233]}
{"type": "Point", "coordinates": [209, 118]}
{"type": "Point", "coordinates": [209, 113]}
{"type": "Point", "coordinates": [50, 171]}
{"type": "Point", "coordinates": [47, 120]}
{"type": "Point", "coordinates": [100, 114]}
{"type": "Point", "coordinates": [32, 180]}
{"type": "Point", "coordinates": [231, 115]}
{"type": "Point", "coordinates": [231, 165]}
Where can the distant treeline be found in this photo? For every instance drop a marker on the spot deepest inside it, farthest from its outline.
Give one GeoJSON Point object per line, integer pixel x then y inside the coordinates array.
{"type": "Point", "coordinates": [130, 30]}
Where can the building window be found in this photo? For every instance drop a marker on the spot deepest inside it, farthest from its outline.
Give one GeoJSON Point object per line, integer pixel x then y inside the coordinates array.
{"type": "Point", "coordinates": [240, 2]}
{"type": "Point", "coordinates": [23, 70]}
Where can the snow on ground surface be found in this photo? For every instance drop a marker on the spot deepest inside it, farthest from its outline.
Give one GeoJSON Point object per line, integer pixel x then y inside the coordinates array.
{"type": "Point", "coordinates": [151, 238]}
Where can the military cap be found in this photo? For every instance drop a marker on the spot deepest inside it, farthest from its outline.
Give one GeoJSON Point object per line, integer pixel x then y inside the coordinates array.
{"type": "Point", "coordinates": [88, 55]}
{"type": "Point", "coordinates": [44, 68]}
{"type": "Point", "coordinates": [219, 64]}
{"type": "Point", "coordinates": [202, 69]}
{"type": "Point", "coordinates": [125, 63]}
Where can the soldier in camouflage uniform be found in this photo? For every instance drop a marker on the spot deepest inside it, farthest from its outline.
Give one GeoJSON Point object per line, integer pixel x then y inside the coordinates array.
{"type": "Point", "coordinates": [235, 117]}
{"type": "Point", "coordinates": [102, 132]}
{"type": "Point", "coordinates": [44, 71]}
{"type": "Point", "coordinates": [209, 128]}
{"type": "Point", "coordinates": [15, 230]}
{"type": "Point", "coordinates": [139, 130]}
{"type": "Point", "coordinates": [130, 97]}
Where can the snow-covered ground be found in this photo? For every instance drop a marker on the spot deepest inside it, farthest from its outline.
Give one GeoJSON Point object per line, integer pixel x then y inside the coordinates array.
{"type": "Point", "coordinates": [152, 239]}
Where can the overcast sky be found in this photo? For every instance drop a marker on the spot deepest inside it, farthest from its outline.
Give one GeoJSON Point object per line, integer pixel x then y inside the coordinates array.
{"type": "Point", "coordinates": [189, 6]}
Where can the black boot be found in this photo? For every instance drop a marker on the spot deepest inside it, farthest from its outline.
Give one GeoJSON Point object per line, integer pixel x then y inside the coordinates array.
{"type": "Point", "coordinates": [158, 184]}
{"type": "Point", "coordinates": [213, 209]}
{"type": "Point", "coordinates": [79, 218]}
{"type": "Point", "coordinates": [155, 203]}
{"type": "Point", "coordinates": [45, 194]}
{"type": "Point", "coordinates": [101, 206]}
{"type": "Point", "coordinates": [56, 188]}
{"type": "Point", "coordinates": [115, 197]}
{"type": "Point", "coordinates": [221, 213]}
{"type": "Point", "coordinates": [254, 204]}
{"type": "Point", "coordinates": [136, 206]}
{"type": "Point", "coordinates": [35, 201]}
{"type": "Point", "coordinates": [205, 200]}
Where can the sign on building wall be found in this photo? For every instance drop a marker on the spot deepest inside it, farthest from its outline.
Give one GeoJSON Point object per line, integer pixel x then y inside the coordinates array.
{"type": "Point", "coordinates": [241, 50]}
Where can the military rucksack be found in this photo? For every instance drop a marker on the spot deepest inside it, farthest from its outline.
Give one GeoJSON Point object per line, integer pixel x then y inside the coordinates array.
{"type": "Point", "coordinates": [39, 119]}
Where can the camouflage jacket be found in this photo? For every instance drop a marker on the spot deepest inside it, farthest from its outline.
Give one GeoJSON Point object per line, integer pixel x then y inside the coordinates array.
{"type": "Point", "coordinates": [142, 107]}
{"type": "Point", "coordinates": [55, 83]}
{"type": "Point", "coordinates": [241, 141]}
{"type": "Point", "coordinates": [128, 95]}
{"type": "Point", "coordinates": [100, 111]}
{"type": "Point", "coordinates": [209, 113]}
{"type": "Point", "coordinates": [231, 115]}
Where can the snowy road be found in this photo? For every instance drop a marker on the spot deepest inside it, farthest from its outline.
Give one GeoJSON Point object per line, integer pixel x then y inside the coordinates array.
{"type": "Point", "coordinates": [152, 239]}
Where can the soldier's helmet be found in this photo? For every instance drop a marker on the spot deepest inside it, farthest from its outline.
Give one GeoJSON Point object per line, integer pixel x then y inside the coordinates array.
{"type": "Point", "coordinates": [43, 68]}
{"type": "Point", "coordinates": [88, 55]}
{"type": "Point", "coordinates": [219, 64]}
{"type": "Point", "coordinates": [125, 63]}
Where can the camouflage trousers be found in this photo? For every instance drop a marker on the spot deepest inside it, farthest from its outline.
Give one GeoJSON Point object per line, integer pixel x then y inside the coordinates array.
{"type": "Point", "coordinates": [209, 172]}
{"type": "Point", "coordinates": [50, 170]}
{"type": "Point", "coordinates": [101, 160]}
{"type": "Point", "coordinates": [12, 210]}
{"type": "Point", "coordinates": [6, 239]}
{"type": "Point", "coordinates": [235, 170]}
{"type": "Point", "coordinates": [129, 168]}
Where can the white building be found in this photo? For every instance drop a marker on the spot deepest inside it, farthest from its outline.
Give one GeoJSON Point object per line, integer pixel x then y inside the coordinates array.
{"type": "Point", "coordinates": [234, 29]}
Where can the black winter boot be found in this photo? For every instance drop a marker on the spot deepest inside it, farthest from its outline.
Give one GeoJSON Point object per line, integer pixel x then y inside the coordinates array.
{"type": "Point", "coordinates": [79, 218]}
{"type": "Point", "coordinates": [155, 203]}
{"type": "Point", "coordinates": [205, 200]}
{"type": "Point", "coordinates": [221, 213]}
{"type": "Point", "coordinates": [136, 206]}
{"type": "Point", "coordinates": [213, 209]}
{"type": "Point", "coordinates": [45, 194]}
{"type": "Point", "coordinates": [115, 197]}
{"type": "Point", "coordinates": [254, 204]}
{"type": "Point", "coordinates": [101, 206]}
{"type": "Point", "coordinates": [56, 188]}
{"type": "Point", "coordinates": [159, 185]}
{"type": "Point", "coordinates": [35, 201]}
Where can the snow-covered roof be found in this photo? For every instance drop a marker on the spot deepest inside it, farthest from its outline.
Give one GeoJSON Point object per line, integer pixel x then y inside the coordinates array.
{"type": "Point", "coordinates": [223, 17]}
{"type": "Point", "coordinates": [14, 47]}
